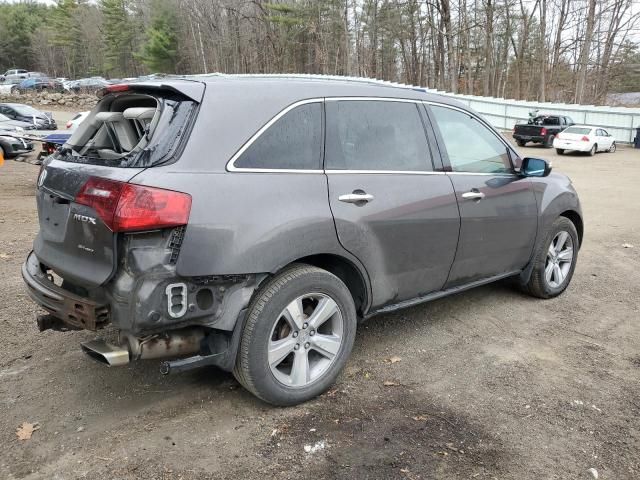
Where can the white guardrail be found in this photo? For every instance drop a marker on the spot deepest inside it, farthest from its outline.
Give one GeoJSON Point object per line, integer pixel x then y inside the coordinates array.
{"type": "Point", "coordinates": [621, 122]}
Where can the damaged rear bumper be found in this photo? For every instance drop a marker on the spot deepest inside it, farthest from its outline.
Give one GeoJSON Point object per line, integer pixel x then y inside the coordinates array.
{"type": "Point", "coordinates": [138, 307]}
{"type": "Point", "coordinates": [75, 311]}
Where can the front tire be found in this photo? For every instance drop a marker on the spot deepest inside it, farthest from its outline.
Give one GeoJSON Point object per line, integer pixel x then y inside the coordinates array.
{"type": "Point", "coordinates": [298, 336]}
{"type": "Point", "coordinates": [593, 150]}
{"type": "Point", "coordinates": [555, 260]}
{"type": "Point", "coordinates": [560, 151]}
{"type": "Point", "coordinates": [612, 148]}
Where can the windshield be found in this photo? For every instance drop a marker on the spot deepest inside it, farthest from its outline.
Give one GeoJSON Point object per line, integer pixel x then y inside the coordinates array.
{"type": "Point", "coordinates": [578, 130]}
{"type": "Point", "coordinates": [4, 118]}
{"type": "Point", "coordinates": [25, 110]}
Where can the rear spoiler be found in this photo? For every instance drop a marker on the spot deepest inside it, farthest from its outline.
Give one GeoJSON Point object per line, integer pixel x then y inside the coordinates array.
{"type": "Point", "coordinates": [190, 89]}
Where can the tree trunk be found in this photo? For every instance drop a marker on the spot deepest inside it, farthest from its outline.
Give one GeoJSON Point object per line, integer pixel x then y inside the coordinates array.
{"type": "Point", "coordinates": [583, 61]}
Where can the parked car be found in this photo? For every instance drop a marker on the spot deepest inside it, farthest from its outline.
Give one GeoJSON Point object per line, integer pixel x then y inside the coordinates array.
{"type": "Point", "coordinates": [541, 129]}
{"type": "Point", "coordinates": [26, 113]}
{"type": "Point", "coordinates": [583, 138]}
{"type": "Point", "coordinates": [12, 146]}
{"type": "Point", "coordinates": [322, 203]}
{"type": "Point", "coordinates": [8, 124]}
{"type": "Point", "coordinates": [14, 75]}
{"type": "Point", "coordinates": [86, 85]}
{"type": "Point", "coordinates": [77, 119]}
{"type": "Point", "coordinates": [38, 84]}
{"type": "Point", "coordinates": [50, 144]}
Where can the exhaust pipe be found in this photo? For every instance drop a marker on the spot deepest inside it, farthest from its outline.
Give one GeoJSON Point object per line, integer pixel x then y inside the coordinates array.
{"type": "Point", "coordinates": [170, 344]}
{"type": "Point", "coordinates": [103, 352]}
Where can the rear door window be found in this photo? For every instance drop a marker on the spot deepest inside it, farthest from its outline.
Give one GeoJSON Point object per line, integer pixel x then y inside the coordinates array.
{"type": "Point", "coordinates": [293, 142]}
{"type": "Point", "coordinates": [375, 135]}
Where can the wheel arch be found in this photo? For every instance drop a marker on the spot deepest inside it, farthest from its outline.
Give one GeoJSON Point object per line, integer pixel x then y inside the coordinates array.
{"type": "Point", "coordinates": [576, 219]}
{"type": "Point", "coordinates": [351, 274]}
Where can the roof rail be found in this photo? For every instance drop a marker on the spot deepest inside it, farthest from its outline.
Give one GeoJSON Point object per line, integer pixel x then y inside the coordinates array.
{"type": "Point", "coordinates": [314, 76]}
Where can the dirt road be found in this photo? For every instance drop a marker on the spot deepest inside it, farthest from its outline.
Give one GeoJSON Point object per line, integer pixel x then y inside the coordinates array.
{"type": "Point", "coordinates": [486, 384]}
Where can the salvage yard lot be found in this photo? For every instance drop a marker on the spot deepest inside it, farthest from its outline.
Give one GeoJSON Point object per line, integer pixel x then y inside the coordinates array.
{"type": "Point", "coordinates": [486, 384]}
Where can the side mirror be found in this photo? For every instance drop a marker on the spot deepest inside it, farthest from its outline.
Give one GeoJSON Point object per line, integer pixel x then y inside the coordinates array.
{"type": "Point", "coordinates": [535, 167]}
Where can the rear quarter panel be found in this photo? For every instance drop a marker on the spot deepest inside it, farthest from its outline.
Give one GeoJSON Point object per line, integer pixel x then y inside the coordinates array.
{"type": "Point", "coordinates": [250, 222]}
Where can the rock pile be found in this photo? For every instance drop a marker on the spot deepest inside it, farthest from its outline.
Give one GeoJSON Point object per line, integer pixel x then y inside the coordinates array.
{"type": "Point", "coordinates": [72, 101]}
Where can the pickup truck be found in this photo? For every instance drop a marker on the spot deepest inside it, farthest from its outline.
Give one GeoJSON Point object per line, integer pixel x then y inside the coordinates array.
{"type": "Point", "coordinates": [541, 129]}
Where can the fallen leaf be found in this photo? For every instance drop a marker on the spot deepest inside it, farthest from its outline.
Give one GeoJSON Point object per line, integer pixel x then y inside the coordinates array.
{"type": "Point", "coordinates": [420, 418]}
{"type": "Point", "coordinates": [627, 245]}
{"type": "Point", "coordinates": [24, 431]}
{"type": "Point", "coordinates": [393, 359]}
{"type": "Point", "coordinates": [332, 392]}
{"type": "Point", "coordinates": [389, 383]}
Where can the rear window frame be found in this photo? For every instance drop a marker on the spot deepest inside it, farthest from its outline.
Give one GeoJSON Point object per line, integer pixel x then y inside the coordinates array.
{"type": "Point", "coordinates": [588, 130]}
{"type": "Point", "coordinates": [167, 156]}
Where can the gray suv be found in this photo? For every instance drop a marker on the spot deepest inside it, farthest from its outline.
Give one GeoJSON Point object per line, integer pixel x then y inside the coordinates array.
{"type": "Point", "coordinates": [250, 222]}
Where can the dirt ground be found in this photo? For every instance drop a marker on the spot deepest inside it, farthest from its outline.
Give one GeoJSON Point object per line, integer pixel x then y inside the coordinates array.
{"type": "Point", "coordinates": [486, 384]}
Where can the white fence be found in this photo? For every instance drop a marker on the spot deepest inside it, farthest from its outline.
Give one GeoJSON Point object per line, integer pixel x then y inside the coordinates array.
{"type": "Point", "coordinates": [621, 122]}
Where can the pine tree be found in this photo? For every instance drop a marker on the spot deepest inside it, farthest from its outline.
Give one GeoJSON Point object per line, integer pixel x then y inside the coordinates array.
{"type": "Point", "coordinates": [118, 37]}
{"type": "Point", "coordinates": [66, 35]}
{"type": "Point", "coordinates": [159, 52]}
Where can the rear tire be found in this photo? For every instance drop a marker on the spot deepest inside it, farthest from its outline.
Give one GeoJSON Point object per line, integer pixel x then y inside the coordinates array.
{"type": "Point", "coordinates": [560, 151]}
{"type": "Point", "coordinates": [521, 143]}
{"type": "Point", "coordinates": [593, 150]}
{"type": "Point", "coordinates": [301, 324]}
{"type": "Point", "coordinates": [554, 261]}
{"type": "Point", "coordinates": [548, 143]}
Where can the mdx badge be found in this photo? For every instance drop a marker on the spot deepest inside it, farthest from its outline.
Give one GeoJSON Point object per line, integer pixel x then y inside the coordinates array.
{"type": "Point", "coordinates": [84, 218]}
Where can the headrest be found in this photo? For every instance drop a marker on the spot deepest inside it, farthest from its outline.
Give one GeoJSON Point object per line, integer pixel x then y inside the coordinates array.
{"type": "Point", "coordinates": [109, 116]}
{"type": "Point", "coordinates": [139, 113]}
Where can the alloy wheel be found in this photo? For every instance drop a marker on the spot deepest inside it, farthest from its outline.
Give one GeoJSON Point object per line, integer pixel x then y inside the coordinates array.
{"type": "Point", "coordinates": [305, 340]}
{"type": "Point", "coordinates": [559, 259]}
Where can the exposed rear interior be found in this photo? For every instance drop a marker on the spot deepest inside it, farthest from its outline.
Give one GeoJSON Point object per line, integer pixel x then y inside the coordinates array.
{"type": "Point", "coordinates": [117, 128]}
{"type": "Point", "coordinates": [130, 129]}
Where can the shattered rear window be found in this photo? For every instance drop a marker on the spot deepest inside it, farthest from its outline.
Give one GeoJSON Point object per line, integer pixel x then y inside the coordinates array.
{"type": "Point", "coordinates": [128, 141]}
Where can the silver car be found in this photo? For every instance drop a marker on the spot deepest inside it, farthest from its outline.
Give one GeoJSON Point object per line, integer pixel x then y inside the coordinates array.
{"type": "Point", "coordinates": [251, 222]}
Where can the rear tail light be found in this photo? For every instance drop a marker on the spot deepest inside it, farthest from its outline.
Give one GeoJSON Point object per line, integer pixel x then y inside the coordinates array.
{"type": "Point", "coordinates": [69, 124]}
{"type": "Point", "coordinates": [585, 138]}
{"type": "Point", "coordinates": [543, 131]}
{"type": "Point", "coordinates": [125, 207]}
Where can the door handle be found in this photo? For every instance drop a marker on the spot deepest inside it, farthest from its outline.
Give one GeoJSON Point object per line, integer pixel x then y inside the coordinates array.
{"type": "Point", "coordinates": [356, 197]}
{"type": "Point", "coordinates": [473, 195]}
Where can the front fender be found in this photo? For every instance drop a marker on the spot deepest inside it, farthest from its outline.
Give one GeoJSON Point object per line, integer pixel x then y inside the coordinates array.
{"type": "Point", "coordinates": [555, 196]}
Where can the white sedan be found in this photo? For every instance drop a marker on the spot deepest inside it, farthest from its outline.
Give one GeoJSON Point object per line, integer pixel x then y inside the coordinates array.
{"type": "Point", "coordinates": [583, 138]}
{"type": "Point", "coordinates": [76, 120]}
